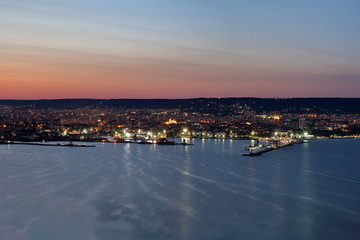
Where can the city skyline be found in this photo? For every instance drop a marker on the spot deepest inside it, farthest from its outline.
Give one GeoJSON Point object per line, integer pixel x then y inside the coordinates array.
{"type": "Point", "coordinates": [179, 49]}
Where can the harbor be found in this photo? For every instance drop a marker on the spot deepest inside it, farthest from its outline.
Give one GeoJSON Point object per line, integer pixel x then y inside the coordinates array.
{"type": "Point", "coordinates": [254, 149]}
{"type": "Point", "coordinates": [162, 141]}
{"type": "Point", "coordinates": [114, 181]}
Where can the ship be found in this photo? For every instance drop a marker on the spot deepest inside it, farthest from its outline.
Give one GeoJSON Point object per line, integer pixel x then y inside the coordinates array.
{"type": "Point", "coordinates": [257, 149]}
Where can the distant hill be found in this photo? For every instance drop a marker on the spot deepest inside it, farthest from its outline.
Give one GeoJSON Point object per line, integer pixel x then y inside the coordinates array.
{"type": "Point", "coordinates": [211, 105]}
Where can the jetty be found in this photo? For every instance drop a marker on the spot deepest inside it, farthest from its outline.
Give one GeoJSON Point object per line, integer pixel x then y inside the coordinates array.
{"type": "Point", "coordinates": [47, 144]}
{"type": "Point", "coordinates": [259, 149]}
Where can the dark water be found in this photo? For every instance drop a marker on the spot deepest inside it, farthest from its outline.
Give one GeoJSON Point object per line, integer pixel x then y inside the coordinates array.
{"type": "Point", "coordinates": [205, 191]}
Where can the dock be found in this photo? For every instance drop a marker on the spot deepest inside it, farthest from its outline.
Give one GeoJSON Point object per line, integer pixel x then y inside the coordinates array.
{"type": "Point", "coordinates": [47, 144]}
{"type": "Point", "coordinates": [258, 150]}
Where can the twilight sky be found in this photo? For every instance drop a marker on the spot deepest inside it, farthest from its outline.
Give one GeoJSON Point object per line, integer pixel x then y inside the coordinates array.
{"type": "Point", "coordinates": [179, 48]}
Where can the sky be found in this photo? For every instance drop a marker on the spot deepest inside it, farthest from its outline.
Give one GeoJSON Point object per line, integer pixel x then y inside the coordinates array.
{"type": "Point", "coordinates": [179, 48]}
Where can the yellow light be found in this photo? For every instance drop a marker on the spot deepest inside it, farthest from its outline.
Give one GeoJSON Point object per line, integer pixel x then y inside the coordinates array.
{"type": "Point", "coordinates": [171, 121]}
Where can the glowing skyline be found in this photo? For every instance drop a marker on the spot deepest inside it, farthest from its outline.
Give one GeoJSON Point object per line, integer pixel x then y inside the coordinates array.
{"type": "Point", "coordinates": [179, 49]}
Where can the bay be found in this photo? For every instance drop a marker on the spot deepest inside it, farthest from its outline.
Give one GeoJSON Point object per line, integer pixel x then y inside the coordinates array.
{"type": "Point", "coordinates": [204, 191]}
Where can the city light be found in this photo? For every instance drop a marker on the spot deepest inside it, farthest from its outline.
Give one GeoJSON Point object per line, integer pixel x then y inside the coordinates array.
{"type": "Point", "coordinates": [150, 124]}
{"type": "Point", "coordinates": [171, 121]}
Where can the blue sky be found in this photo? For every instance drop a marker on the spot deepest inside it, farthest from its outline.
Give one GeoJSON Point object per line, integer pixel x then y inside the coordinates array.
{"type": "Point", "coordinates": [172, 49]}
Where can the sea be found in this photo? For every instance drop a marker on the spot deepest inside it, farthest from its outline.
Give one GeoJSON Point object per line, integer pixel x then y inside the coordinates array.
{"type": "Point", "coordinates": [203, 191]}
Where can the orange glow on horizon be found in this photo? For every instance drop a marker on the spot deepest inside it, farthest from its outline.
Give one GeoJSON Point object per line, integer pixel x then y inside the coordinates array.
{"type": "Point", "coordinates": [55, 74]}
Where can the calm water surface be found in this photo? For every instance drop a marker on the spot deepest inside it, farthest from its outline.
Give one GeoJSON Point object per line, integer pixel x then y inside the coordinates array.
{"type": "Point", "coordinates": [205, 191]}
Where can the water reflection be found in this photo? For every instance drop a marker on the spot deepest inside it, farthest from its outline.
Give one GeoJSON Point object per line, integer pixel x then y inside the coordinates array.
{"type": "Point", "coordinates": [135, 191]}
{"type": "Point", "coordinates": [186, 140]}
{"type": "Point", "coordinates": [185, 217]}
{"type": "Point", "coordinates": [307, 206]}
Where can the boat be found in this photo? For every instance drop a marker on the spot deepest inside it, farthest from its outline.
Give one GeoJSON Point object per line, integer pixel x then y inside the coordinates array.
{"type": "Point", "coordinates": [258, 149]}
{"type": "Point", "coordinates": [254, 144]}
{"type": "Point", "coordinates": [164, 141]}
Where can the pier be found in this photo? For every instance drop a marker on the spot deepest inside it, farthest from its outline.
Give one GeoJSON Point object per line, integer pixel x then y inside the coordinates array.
{"type": "Point", "coordinates": [47, 144]}
{"type": "Point", "coordinates": [258, 149]}
{"type": "Point", "coordinates": [70, 144]}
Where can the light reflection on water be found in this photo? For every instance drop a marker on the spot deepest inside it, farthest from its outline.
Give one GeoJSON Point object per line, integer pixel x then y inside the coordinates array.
{"type": "Point", "coordinates": [205, 191]}
{"type": "Point", "coordinates": [184, 222]}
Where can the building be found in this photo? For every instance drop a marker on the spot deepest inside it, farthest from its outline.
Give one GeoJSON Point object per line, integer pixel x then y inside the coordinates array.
{"type": "Point", "coordinates": [302, 123]}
